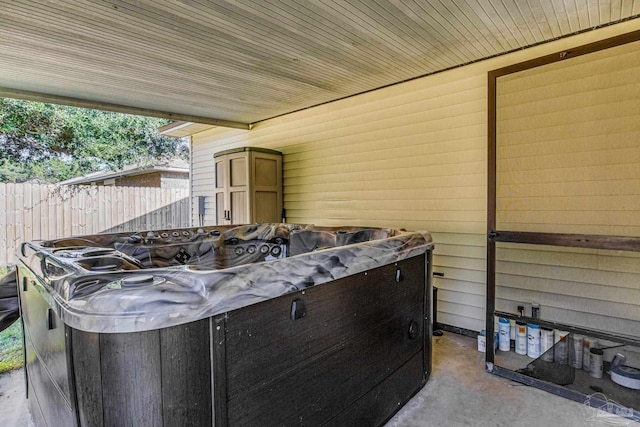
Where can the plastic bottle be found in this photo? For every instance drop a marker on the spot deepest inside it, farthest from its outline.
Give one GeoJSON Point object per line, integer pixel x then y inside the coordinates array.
{"type": "Point", "coordinates": [521, 338]}
{"type": "Point", "coordinates": [576, 344]}
{"type": "Point", "coordinates": [587, 344]}
{"type": "Point", "coordinates": [533, 340]}
{"type": "Point", "coordinates": [561, 347]}
{"type": "Point", "coordinates": [546, 344]}
{"type": "Point", "coordinates": [535, 310]}
{"type": "Point", "coordinates": [595, 362]}
{"type": "Point", "coordinates": [504, 330]}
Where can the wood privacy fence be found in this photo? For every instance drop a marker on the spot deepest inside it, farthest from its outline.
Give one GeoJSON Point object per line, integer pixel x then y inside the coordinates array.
{"type": "Point", "coordinates": [34, 211]}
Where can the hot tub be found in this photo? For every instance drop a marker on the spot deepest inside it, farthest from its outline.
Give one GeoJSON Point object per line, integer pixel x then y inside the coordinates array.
{"type": "Point", "coordinates": [264, 324]}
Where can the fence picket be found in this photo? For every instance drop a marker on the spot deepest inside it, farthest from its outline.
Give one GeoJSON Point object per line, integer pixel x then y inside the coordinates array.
{"type": "Point", "coordinates": [39, 222]}
{"type": "Point", "coordinates": [49, 214]}
{"type": "Point", "coordinates": [9, 244]}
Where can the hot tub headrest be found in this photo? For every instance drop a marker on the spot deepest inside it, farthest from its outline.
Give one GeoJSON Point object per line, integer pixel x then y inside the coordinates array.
{"type": "Point", "coordinates": [304, 241]}
{"type": "Point", "coordinates": [313, 239]}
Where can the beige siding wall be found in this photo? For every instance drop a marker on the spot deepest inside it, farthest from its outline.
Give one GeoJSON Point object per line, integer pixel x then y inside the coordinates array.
{"type": "Point", "coordinates": [596, 289]}
{"type": "Point", "coordinates": [412, 155]}
{"type": "Point", "coordinates": [568, 145]}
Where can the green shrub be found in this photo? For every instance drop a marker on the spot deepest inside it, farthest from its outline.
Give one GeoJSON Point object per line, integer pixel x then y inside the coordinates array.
{"type": "Point", "coordinates": [11, 347]}
{"type": "Point", "coordinates": [11, 356]}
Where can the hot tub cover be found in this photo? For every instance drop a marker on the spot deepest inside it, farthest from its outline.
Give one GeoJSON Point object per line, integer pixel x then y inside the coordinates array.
{"type": "Point", "coordinates": [129, 282]}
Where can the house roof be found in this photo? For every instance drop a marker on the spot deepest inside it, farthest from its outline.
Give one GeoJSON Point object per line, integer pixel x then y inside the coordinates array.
{"type": "Point", "coordinates": [238, 63]}
{"type": "Point", "coordinates": [132, 170]}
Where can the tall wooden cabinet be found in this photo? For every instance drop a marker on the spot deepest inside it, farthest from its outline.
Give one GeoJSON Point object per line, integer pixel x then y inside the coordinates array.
{"type": "Point", "coordinates": [248, 187]}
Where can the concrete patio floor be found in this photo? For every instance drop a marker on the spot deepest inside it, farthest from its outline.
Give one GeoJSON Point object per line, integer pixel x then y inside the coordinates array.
{"type": "Point", "coordinates": [459, 393]}
{"type": "Point", "coordinates": [13, 405]}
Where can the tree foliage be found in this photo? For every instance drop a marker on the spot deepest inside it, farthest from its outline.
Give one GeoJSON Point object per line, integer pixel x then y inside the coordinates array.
{"type": "Point", "coordinates": [50, 142]}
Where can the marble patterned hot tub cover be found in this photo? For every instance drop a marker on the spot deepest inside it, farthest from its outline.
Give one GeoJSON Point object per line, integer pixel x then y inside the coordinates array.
{"type": "Point", "coordinates": [129, 282]}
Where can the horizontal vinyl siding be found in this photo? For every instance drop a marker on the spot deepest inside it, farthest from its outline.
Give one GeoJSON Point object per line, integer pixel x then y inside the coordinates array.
{"type": "Point", "coordinates": [571, 125]}
{"type": "Point", "coordinates": [408, 156]}
{"type": "Point", "coordinates": [568, 161]}
{"type": "Point", "coordinates": [203, 180]}
{"type": "Point", "coordinates": [593, 288]}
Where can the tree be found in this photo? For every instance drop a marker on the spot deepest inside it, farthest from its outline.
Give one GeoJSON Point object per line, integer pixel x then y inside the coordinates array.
{"type": "Point", "coordinates": [50, 142]}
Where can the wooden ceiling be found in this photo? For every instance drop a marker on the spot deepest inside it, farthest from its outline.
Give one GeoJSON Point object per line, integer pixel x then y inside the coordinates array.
{"type": "Point", "coordinates": [240, 61]}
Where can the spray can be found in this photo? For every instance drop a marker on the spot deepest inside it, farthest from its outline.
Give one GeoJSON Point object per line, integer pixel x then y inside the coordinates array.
{"type": "Point", "coordinates": [546, 344]}
{"type": "Point", "coordinates": [521, 338]}
{"type": "Point", "coordinates": [533, 340]}
{"type": "Point", "coordinates": [504, 331]}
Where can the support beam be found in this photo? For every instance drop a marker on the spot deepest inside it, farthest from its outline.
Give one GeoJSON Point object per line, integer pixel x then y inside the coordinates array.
{"type": "Point", "coordinates": [97, 105]}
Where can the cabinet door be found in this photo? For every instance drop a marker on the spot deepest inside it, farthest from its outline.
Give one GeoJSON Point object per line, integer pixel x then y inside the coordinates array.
{"type": "Point", "coordinates": [220, 189]}
{"type": "Point", "coordinates": [238, 188]}
{"type": "Point", "coordinates": [267, 188]}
